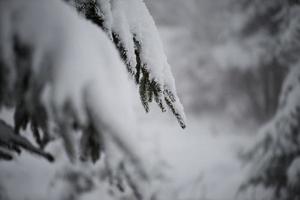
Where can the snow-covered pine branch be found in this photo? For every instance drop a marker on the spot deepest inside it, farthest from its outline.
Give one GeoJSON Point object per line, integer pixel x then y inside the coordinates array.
{"type": "Point", "coordinates": [130, 26]}
{"type": "Point", "coordinates": [64, 71]}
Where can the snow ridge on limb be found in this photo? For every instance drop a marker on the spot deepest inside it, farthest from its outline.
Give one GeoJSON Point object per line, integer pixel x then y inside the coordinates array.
{"type": "Point", "coordinates": [131, 27]}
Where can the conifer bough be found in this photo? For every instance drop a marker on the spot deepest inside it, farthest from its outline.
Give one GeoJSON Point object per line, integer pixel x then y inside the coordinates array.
{"type": "Point", "coordinates": [65, 75]}
{"type": "Point", "coordinates": [140, 48]}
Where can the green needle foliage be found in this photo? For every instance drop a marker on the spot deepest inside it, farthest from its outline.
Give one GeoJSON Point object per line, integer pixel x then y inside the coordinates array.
{"type": "Point", "coordinates": [149, 87]}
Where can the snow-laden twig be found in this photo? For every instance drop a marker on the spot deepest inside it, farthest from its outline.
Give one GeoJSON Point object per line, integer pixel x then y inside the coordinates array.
{"type": "Point", "coordinates": [13, 143]}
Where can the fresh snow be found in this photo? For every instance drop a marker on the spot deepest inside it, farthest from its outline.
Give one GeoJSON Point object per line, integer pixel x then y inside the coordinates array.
{"type": "Point", "coordinates": [199, 162]}
{"type": "Point", "coordinates": [81, 76]}
{"type": "Point", "coordinates": [130, 23]}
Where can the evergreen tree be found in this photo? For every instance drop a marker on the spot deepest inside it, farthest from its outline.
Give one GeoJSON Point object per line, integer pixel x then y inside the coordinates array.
{"type": "Point", "coordinates": [274, 158]}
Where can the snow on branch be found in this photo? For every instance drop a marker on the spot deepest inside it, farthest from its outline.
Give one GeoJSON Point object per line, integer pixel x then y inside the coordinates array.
{"type": "Point", "coordinates": [11, 142]}
{"type": "Point", "coordinates": [131, 27]}
{"type": "Point", "coordinates": [58, 68]}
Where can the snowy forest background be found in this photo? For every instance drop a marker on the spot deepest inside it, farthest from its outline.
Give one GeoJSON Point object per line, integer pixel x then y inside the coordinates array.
{"type": "Point", "coordinates": [236, 72]}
